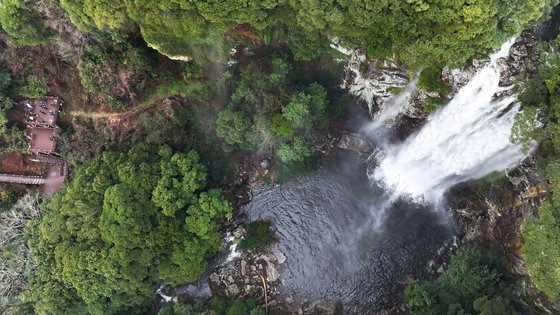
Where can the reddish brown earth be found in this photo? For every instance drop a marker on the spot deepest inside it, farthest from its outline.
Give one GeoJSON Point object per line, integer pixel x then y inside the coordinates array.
{"type": "Point", "coordinates": [17, 163]}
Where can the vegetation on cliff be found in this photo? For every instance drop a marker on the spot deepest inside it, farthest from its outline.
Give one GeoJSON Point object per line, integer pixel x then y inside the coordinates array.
{"type": "Point", "coordinates": [540, 121]}
{"type": "Point", "coordinates": [421, 32]}
{"type": "Point", "coordinates": [541, 250]}
{"type": "Point", "coordinates": [475, 282]}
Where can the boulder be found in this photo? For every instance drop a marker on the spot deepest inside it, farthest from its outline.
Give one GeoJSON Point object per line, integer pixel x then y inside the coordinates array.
{"type": "Point", "coordinates": [325, 309]}
{"type": "Point", "coordinates": [280, 257]}
{"type": "Point", "coordinates": [215, 278]}
{"type": "Point", "coordinates": [271, 272]}
{"type": "Point", "coordinates": [357, 143]}
{"type": "Point", "coordinates": [233, 289]}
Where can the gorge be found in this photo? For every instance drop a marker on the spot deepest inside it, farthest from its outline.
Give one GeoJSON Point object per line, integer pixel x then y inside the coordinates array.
{"type": "Point", "coordinates": [249, 157]}
{"type": "Point", "coordinates": [354, 233]}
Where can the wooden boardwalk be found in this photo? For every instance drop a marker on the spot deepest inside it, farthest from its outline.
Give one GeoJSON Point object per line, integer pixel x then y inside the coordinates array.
{"type": "Point", "coordinates": [54, 180]}
{"type": "Point", "coordinates": [22, 179]}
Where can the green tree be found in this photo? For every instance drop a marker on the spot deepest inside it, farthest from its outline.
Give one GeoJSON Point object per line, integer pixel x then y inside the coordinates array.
{"type": "Point", "coordinates": [295, 151]}
{"type": "Point", "coordinates": [298, 111]}
{"type": "Point", "coordinates": [281, 126]}
{"type": "Point", "coordinates": [106, 240]}
{"type": "Point", "coordinates": [22, 23]}
{"type": "Point", "coordinates": [261, 86]}
{"type": "Point", "coordinates": [234, 128]}
{"type": "Point", "coordinates": [473, 277]}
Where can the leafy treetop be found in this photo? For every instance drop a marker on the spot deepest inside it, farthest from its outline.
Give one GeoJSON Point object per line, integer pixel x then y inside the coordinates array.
{"type": "Point", "coordinates": [421, 32]}
{"type": "Point", "coordinates": [124, 223]}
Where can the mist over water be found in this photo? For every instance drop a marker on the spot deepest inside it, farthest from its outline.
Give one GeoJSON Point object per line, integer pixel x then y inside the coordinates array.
{"type": "Point", "coordinates": [347, 240]}
{"type": "Point", "coordinates": [396, 105]}
{"type": "Point", "coordinates": [353, 236]}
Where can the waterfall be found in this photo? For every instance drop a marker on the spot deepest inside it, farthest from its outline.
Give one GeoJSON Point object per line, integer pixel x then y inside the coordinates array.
{"type": "Point", "coordinates": [396, 105]}
{"type": "Point", "coordinates": [467, 139]}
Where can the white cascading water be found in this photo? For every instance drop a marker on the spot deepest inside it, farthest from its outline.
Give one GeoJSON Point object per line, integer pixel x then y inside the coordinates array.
{"type": "Point", "coordinates": [467, 139]}
{"type": "Point", "coordinates": [396, 105]}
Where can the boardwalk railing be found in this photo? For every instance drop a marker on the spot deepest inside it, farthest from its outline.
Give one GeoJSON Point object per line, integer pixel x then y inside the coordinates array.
{"type": "Point", "coordinates": [21, 179]}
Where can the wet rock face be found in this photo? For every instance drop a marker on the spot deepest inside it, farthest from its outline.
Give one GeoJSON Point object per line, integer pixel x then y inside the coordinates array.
{"type": "Point", "coordinates": [522, 57]}
{"type": "Point", "coordinates": [357, 143]}
{"type": "Point", "coordinates": [458, 78]}
{"type": "Point", "coordinates": [493, 213]}
{"type": "Point", "coordinates": [374, 80]}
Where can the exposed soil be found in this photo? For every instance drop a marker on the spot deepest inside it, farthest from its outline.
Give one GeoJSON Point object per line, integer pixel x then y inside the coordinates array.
{"type": "Point", "coordinates": [245, 31]}
{"type": "Point", "coordinates": [17, 163]}
{"type": "Point", "coordinates": [63, 79]}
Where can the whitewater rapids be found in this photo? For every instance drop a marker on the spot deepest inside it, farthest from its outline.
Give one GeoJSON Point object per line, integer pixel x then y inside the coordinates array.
{"type": "Point", "coordinates": [467, 139]}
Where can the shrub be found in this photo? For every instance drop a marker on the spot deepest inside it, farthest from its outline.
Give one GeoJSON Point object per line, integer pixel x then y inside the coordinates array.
{"type": "Point", "coordinates": [259, 236]}
{"type": "Point", "coordinates": [35, 87]}
{"type": "Point", "coordinates": [217, 305]}
{"type": "Point", "coordinates": [473, 277]}
{"type": "Point", "coordinates": [281, 126]}
{"type": "Point", "coordinates": [305, 167]}
{"type": "Point", "coordinates": [431, 104]}
{"type": "Point", "coordinates": [234, 128]}
{"type": "Point", "coordinates": [114, 70]}
{"type": "Point", "coordinates": [430, 80]}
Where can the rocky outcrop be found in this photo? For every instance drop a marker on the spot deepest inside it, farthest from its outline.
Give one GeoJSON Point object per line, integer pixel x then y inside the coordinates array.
{"type": "Point", "coordinates": [457, 78]}
{"type": "Point", "coordinates": [522, 58]}
{"type": "Point", "coordinates": [521, 61]}
{"type": "Point", "coordinates": [374, 81]}
{"type": "Point", "coordinates": [242, 275]}
{"type": "Point", "coordinates": [184, 58]}
{"type": "Point", "coordinates": [493, 211]}
{"type": "Point", "coordinates": [359, 144]}
{"type": "Point", "coordinates": [381, 83]}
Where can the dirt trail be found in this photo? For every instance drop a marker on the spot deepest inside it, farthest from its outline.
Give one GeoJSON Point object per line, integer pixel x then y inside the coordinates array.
{"type": "Point", "coordinates": [112, 115]}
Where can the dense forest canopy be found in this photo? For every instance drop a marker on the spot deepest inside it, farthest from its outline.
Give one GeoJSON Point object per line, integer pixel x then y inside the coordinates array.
{"type": "Point", "coordinates": [475, 282]}
{"type": "Point", "coordinates": [125, 222]}
{"type": "Point", "coordinates": [420, 32]}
